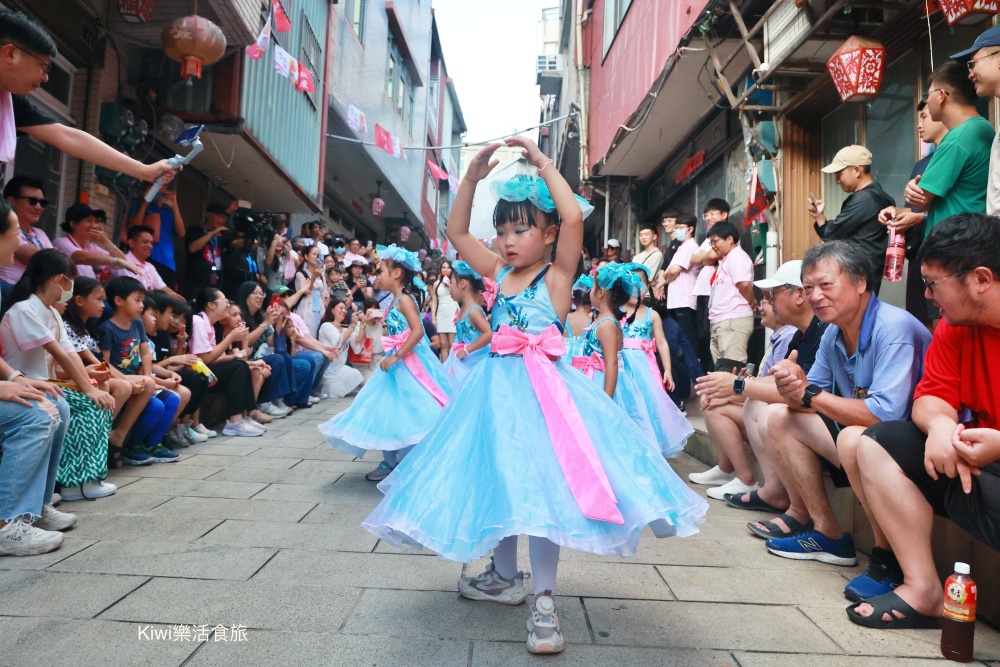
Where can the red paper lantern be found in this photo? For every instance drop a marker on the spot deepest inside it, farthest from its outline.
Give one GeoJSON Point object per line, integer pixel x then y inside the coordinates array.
{"type": "Point", "coordinates": [136, 11]}
{"type": "Point", "coordinates": [193, 41]}
{"type": "Point", "coordinates": [378, 204]}
{"type": "Point", "coordinates": [404, 233]}
{"type": "Point", "coordinates": [857, 68]}
{"type": "Point", "coordinates": [956, 10]}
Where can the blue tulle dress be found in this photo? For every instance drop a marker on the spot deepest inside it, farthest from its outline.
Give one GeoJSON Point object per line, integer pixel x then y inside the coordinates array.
{"type": "Point", "coordinates": [574, 344]}
{"type": "Point", "coordinates": [465, 333]}
{"type": "Point", "coordinates": [393, 410]}
{"type": "Point", "coordinates": [671, 427]}
{"type": "Point", "coordinates": [627, 394]}
{"type": "Point", "coordinates": [488, 469]}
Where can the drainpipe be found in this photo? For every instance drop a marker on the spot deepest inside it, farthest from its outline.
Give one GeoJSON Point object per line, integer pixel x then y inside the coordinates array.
{"type": "Point", "coordinates": [607, 210]}
{"type": "Point", "coordinates": [582, 85]}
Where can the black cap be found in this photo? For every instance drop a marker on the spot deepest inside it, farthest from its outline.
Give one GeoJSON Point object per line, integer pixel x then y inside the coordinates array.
{"type": "Point", "coordinates": [218, 209]}
{"type": "Point", "coordinates": [78, 212]}
{"type": "Point", "coordinates": [922, 103]}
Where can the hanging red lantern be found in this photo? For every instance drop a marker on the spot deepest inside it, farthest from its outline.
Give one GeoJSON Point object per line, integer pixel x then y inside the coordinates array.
{"type": "Point", "coordinates": [857, 68]}
{"type": "Point", "coordinates": [956, 10]}
{"type": "Point", "coordinates": [404, 233]}
{"type": "Point", "coordinates": [193, 41]}
{"type": "Point", "coordinates": [378, 205]}
{"type": "Point", "coordinates": [136, 11]}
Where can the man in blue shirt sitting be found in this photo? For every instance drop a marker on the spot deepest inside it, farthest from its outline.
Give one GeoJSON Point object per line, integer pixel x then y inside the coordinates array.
{"type": "Point", "coordinates": [868, 363]}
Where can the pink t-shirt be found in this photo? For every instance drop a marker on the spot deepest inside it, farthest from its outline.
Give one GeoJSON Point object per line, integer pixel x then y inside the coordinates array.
{"type": "Point", "coordinates": [703, 285]}
{"type": "Point", "coordinates": [299, 324]}
{"type": "Point", "coordinates": [726, 302]}
{"type": "Point", "coordinates": [11, 274]}
{"type": "Point", "coordinates": [150, 277]}
{"type": "Point", "coordinates": [67, 245]}
{"type": "Point", "coordinates": [202, 334]}
{"type": "Point", "coordinates": [680, 293]}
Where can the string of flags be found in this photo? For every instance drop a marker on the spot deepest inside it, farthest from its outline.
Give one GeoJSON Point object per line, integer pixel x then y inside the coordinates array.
{"type": "Point", "coordinates": [284, 63]}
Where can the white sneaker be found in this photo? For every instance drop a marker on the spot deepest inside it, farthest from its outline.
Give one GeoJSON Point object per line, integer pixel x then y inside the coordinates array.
{"type": "Point", "coordinates": [256, 424]}
{"type": "Point", "coordinates": [492, 587]}
{"type": "Point", "coordinates": [56, 499]}
{"type": "Point", "coordinates": [53, 519]}
{"type": "Point", "coordinates": [313, 400]}
{"type": "Point", "coordinates": [241, 428]}
{"type": "Point", "coordinates": [272, 410]}
{"type": "Point", "coordinates": [89, 490]}
{"type": "Point", "coordinates": [20, 538]}
{"type": "Point", "coordinates": [195, 436]}
{"type": "Point", "coordinates": [732, 486]}
{"type": "Point", "coordinates": [284, 406]}
{"type": "Point", "coordinates": [712, 477]}
{"type": "Point", "coordinates": [544, 634]}
{"type": "Point", "coordinates": [205, 431]}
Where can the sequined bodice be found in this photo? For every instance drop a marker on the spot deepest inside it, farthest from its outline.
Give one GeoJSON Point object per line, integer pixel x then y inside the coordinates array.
{"type": "Point", "coordinates": [640, 328]}
{"type": "Point", "coordinates": [395, 321]}
{"type": "Point", "coordinates": [530, 311]}
{"type": "Point", "coordinates": [591, 345]}
{"type": "Point", "coordinates": [465, 330]}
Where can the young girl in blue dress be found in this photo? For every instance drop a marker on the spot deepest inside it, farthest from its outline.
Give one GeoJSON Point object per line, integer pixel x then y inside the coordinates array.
{"type": "Point", "coordinates": [401, 402]}
{"type": "Point", "coordinates": [580, 317]}
{"type": "Point", "coordinates": [472, 330]}
{"type": "Point", "coordinates": [644, 336]}
{"type": "Point", "coordinates": [528, 445]}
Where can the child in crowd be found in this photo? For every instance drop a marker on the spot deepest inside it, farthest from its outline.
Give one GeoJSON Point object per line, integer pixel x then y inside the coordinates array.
{"type": "Point", "coordinates": [260, 372]}
{"type": "Point", "coordinates": [340, 379]}
{"type": "Point", "coordinates": [125, 348]}
{"type": "Point", "coordinates": [374, 320]}
{"type": "Point", "coordinates": [400, 404]}
{"type": "Point", "coordinates": [177, 344]}
{"type": "Point", "coordinates": [35, 342]}
{"type": "Point", "coordinates": [643, 333]}
{"type": "Point", "coordinates": [472, 331]}
{"type": "Point", "coordinates": [131, 393]}
{"type": "Point", "coordinates": [529, 445]}
{"type": "Point", "coordinates": [580, 317]}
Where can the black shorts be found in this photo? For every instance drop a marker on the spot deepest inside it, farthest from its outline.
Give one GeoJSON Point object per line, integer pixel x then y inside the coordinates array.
{"type": "Point", "coordinates": [838, 475]}
{"type": "Point", "coordinates": [977, 512]}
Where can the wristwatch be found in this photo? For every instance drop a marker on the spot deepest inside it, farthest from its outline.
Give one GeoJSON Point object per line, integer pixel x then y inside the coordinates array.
{"type": "Point", "coordinates": [739, 384]}
{"type": "Point", "coordinates": [812, 391]}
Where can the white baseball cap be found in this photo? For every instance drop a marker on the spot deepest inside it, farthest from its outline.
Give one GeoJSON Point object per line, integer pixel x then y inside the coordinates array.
{"type": "Point", "coordinates": [614, 243]}
{"type": "Point", "coordinates": [789, 273]}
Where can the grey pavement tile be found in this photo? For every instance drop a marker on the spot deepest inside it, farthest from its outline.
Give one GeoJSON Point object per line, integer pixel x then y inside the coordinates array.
{"type": "Point", "coordinates": [334, 493]}
{"type": "Point", "coordinates": [429, 614]}
{"type": "Point", "coordinates": [695, 551]}
{"type": "Point", "coordinates": [122, 480]}
{"type": "Point", "coordinates": [748, 659]}
{"type": "Point", "coordinates": [165, 471]}
{"type": "Point", "coordinates": [163, 559]}
{"type": "Point", "coordinates": [71, 545]}
{"type": "Point", "coordinates": [85, 643]}
{"type": "Point", "coordinates": [858, 640]}
{"type": "Point", "coordinates": [149, 527]}
{"type": "Point", "coordinates": [705, 625]}
{"type": "Point", "coordinates": [268, 648]}
{"type": "Point", "coordinates": [120, 503]}
{"type": "Point", "coordinates": [62, 595]}
{"type": "Point", "coordinates": [347, 535]}
{"type": "Point", "coordinates": [335, 569]}
{"type": "Point", "coordinates": [611, 580]}
{"type": "Point", "coordinates": [265, 605]}
{"type": "Point", "coordinates": [244, 474]}
{"type": "Point", "coordinates": [754, 586]}
{"type": "Point", "coordinates": [228, 508]}
{"type": "Point", "coordinates": [351, 466]}
{"type": "Point", "coordinates": [513, 654]}
{"type": "Point", "coordinates": [196, 487]}
{"type": "Point", "coordinates": [310, 452]}
{"type": "Point", "coordinates": [222, 449]}
{"type": "Point", "coordinates": [309, 476]}
{"type": "Point", "coordinates": [215, 461]}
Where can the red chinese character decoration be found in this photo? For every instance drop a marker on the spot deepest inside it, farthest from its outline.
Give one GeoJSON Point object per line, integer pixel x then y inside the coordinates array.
{"type": "Point", "coordinates": [378, 205]}
{"type": "Point", "coordinates": [136, 11]}
{"type": "Point", "coordinates": [404, 233]}
{"type": "Point", "coordinates": [857, 68]}
{"type": "Point", "coordinates": [956, 10]}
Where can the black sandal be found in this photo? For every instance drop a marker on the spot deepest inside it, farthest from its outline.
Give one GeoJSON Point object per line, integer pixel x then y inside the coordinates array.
{"type": "Point", "coordinates": [755, 503]}
{"type": "Point", "coordinates": [115, 457]}
{"type": "Point", "coordinates": [772, 529]}
{"type": "Point", "coordinates": [890, 603]}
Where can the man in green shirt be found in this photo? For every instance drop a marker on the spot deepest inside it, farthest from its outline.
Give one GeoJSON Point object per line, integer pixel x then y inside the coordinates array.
{"type": "Point", "coordinates": [955, 179]}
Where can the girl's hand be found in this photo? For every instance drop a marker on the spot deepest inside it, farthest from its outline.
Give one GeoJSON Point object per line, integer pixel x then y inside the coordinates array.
{"type": "Point", "coordinates": [483, 164]}
{"type": "Point", "coordinates": [183, 359]}
{"type": "Point", "coordinates": [101, 398]}
{"type": "Point", "coordinates": [668, 381]}
{"type": "Point", "coordinates": [170, 383]}
{"type": "Point", "coordinates": [138, 384]}
{"type": "Point", "coordinates": [95, 372]}
{"type": "Point", "coordinates": [52, 390]}
{"type": "Point", "coordinates": [529, 149]}
{"type": "Point", "coordinates": [238, 334]}
{"type": "Point", "coordinates": [461, 354]}
{"type": "Point", "coordinates": [388, 362]}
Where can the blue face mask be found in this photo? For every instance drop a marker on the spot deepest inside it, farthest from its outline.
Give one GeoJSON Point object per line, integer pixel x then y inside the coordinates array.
{"type": "Point", "coordinates": [340, 250]}
{"type": "Point", "coordinates": [680, 234]}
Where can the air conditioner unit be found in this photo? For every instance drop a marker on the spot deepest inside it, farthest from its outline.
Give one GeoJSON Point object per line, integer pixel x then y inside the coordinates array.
{"type": "Point", "coordinates": [783, 28]}
{"type": "Point", "coordinates": [549, 64]}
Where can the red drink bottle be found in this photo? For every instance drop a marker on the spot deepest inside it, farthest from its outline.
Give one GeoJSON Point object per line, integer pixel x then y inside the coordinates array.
{"type": "Point", "coordinates": [958, 627]}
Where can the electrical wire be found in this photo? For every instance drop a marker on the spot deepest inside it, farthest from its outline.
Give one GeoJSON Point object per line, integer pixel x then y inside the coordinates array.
{"type": "Point", "coordinates": [930, 36]}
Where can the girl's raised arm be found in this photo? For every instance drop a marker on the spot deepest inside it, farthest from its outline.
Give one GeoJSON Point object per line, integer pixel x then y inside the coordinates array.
{"type": "Point", "coordinates": [479, 257]}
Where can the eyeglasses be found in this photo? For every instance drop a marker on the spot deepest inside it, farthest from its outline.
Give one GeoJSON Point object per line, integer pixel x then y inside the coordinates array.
{"type": "Point", "coordinates": [46, 66]}
{"type": "Point", "coordinates": [971, 64]}
{"type": "Point", "coordinates": [929, 286]}
{"type": "Point", "coordinates": [34, 201]}
{"type": "Point", "coordinates": [938, 90]}
{"type": "Point", "coordinates": [775, 291]}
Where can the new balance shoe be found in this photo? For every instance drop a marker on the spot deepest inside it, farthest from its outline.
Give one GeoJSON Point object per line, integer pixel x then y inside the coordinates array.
{"type": "Point", "coordinates": [205, 431]}
{"type": "Point", "coordinates": [813, 545]}
{"type": "Point", "coordinates": [160, 454]}
{"type": "Point", "coordinates": [490, 586]}
{"type": "Point", "coordinates": [544, 633]}
{"type": "Point", "coordinates": [137, 457]}
{"type": "Point", "coordinates": [193, 436]}
{"type": "Point", "coordinates": [241, 428]}
{"type": "Point", "coordinates": [89, 490]}
{"type": "Point", "coordinates": [380, 473]}
{"type": "Point", "coordinates": [732, 486]}
{"type": "Point", "coordinates": [19, 537]}
{"type": "Point", "coordinates": [53, 519]}
{"type": "Point", "coordinates": [882, 576]}
{"type": "Point", "coordinates": [711, 477]}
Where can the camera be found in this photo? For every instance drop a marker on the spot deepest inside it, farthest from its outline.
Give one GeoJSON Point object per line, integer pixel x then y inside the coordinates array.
{"type": "Point", "coordinates": [257, 225]}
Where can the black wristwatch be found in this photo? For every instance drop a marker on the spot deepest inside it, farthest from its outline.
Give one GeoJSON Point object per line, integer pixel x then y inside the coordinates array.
{"type": "Point", "coordinates": [812, 391]}
{"type": "Point", "coordinates": [739, 384]}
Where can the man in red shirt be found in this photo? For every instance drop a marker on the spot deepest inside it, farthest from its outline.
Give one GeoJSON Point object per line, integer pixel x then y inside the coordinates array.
{"type": "Point", "coordinates": [947, 460]}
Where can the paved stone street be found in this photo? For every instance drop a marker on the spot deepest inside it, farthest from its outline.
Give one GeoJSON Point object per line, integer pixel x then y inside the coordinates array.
{"type": "Point", "coordinates": [263, 535]}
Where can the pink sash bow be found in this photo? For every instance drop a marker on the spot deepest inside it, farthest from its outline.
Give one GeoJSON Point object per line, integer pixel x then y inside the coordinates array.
{"type": "Point", "coordinates": [589, 365]}
{"type": "Point", "coordinates": [648, 347]}
{"type": "Point", "coordinates": [573, 448]}
{"type": "Point", "coordinates": [412, 362]}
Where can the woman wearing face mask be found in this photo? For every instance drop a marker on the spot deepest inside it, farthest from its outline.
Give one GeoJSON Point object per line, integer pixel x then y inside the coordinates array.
{"type": "Point", "coordinates": [681, 276]}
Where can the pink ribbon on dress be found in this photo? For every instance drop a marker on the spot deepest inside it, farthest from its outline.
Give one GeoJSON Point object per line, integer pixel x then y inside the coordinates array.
{"type": "Point", "coordinates": [648, 347]}
{"type": "Point", "coordinates": [589, 365]}
{"type": "Point", "coordinates": [490, 289]}
{"type": "Point", "coordinates": [412, 362]}
{"type": "Point", "coordinates": [571, 443]}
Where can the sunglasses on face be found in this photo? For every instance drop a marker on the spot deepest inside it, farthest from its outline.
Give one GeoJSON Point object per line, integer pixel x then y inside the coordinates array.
{"type": "Point", "coordinates": [34, 201]}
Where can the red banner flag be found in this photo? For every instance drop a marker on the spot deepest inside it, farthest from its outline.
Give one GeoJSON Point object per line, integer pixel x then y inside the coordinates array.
{"type": "Point", "coordinates": [383, 139]}
{"type": "Point", "coordinates": [281, 22]}
{"type": "Point", "coordinates": [305, 81]}
{"type": "Point", "coordinates": [757, 201]}
{"type": "Point", "coordinates": [438, 172]}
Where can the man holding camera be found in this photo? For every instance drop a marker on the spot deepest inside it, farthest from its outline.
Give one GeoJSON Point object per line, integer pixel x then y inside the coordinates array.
{"type": "Point", "coordinates": [204, 265]}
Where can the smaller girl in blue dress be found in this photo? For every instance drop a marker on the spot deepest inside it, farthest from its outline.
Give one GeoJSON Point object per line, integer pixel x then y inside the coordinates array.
{"type": "Point", "coordinates": [580, 318]}
{"type": "Point", "coordinates": [644, 337]}
{"type": "Point", "coordinates": [472, 329]}
{"type": "Point", "coordinates": [400, 403]}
